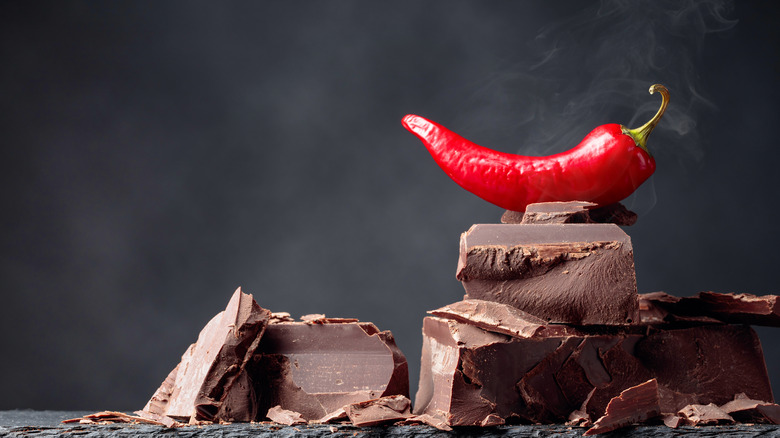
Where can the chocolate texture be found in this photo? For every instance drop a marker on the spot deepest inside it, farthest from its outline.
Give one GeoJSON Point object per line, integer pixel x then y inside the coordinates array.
{"type": "Point", "coordinates": [565, 273]}
{"type": "Point", "coordinates": [210, 383]}
{"type": "Point", "coordinates": [634, 405]}
{"type": "Point", "coordinates": [575, 212]}
{"type": "Point", "coordinates": [248, 364]}
{"type": "Point", "coordinates": [315, 368]}
{"type": "Point", "coordinates": [743, 308]}
{"type": "Point", "coordinates": [471, 376]}
{"type": "Point", "coordinates": [380, 411]}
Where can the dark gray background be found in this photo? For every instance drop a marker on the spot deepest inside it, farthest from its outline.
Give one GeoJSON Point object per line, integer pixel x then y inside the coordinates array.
{"type": "Point", "coordinates": [157, 155]}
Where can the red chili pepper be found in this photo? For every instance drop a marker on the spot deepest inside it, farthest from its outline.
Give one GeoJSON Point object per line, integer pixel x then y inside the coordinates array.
{"type": "Point", "coordinates": [607, 166]}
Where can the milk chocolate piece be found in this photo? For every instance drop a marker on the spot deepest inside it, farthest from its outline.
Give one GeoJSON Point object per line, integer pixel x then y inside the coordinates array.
{"type": "Point", "coordinates": [499, 318]}
{"type": "Point", "coordinates": [380, 411]}
{"type": "Point", "coordinates": [566, 273]}
{"type": "Point", "coordinates": [210, 383]}
{"type": "Point", "coordinates": [470, 376]}
{"type": "Point", "coordinates": [283, 416]}
{"type": "Point", "coordinates": [731, 308]}
{"type": "Point", "coordinates": [634, 405]}
{"type": "Point", "coordinates": [746, 410]}
{"type": "Point", "coordinates": [315, 369]}
{"type": "Point", "coordinates": [575, 212]}
{"type": "Point", "coordinates": [702, 415]}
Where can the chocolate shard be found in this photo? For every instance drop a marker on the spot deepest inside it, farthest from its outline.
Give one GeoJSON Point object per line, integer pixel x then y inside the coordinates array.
{"type": "Point", "coordinates": [430, 420]}
{"type": "Point", "coordinates": [634, 405]}
{"type": "Point", "coordinates": [741, 308]}
{"type": "Point", "coordinates": [747, 410]}
{"type": "Point", "coordinates": [210, 383]}
{"type": "Point", "coordinates": [494, 317]}
{"type": "Point", "coordinates": [568, 273]}
{"type": "Point", "coordinates": [702, 415]}
{"type": "Point", "coordinates": [380, 411]}
{"type": "Point", "coordinates": [672, 421]}
{"type": "Point", "coordinates": [339, 414]}
{"type": "Point", "coordinates": [575, 212]}
{"type": "Point", "coordinates": [316, 369]}
{"type": "Point", "coordinates": [106, 417]}
{"type": "Point", "coordinates": [283, 416]}
{"type": "Point", "coordinates": [470, 376]}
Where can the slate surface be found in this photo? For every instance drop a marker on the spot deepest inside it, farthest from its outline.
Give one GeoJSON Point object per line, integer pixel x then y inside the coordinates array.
{"type": "Point", "coordinates": [26, 423]}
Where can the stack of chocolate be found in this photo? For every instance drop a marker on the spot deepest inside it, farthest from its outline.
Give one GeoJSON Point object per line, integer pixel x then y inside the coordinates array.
{"type": "Point", "coordinates": [552, 330]}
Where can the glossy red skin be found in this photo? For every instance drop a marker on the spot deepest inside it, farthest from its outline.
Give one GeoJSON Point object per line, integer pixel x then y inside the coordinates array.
{"type": "Point", "coordinates": [606, 167]}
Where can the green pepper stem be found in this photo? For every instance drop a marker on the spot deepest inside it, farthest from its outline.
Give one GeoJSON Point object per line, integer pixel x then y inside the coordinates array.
{"type": "Point", "coordinates": [641, 133]}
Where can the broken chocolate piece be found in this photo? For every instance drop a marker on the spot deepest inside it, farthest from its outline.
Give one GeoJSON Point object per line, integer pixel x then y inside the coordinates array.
{"type": "Point", "coordinates": [380, 411]}
{"type": "Point", "coordinates": [698, 365]}
{"type": "Point", "coordinates": [730, 308]}
{"type": "Point", "coordinates": [702, 415]}
{"type": "Point", "coordinates": [567, 273]}
{"type": "Point", "coordinates": [494, 317]}
{"type": "Point", "coordinates": [470, 376]}
{"type": "Point", "coordinates": [315, 369]}
{"type": "Point", "coordinates": [283, 416]}
{"type": "Point", "coordinates": [746, 410]}
{"type": "Point", "coordinates": [575, 212]}
{"type": "Point", "coordinates": [106, 417]}
{"type": "Point", "coordinates": [430, 420]}
{"type": "Point", "coordinates": [339, 414]}
{"type": "Point", "coordinates": [634, 405]}
{"type": "Point", "coordinates": [210, 383]}
{"type": "Point", "coordinates": [673, 421]}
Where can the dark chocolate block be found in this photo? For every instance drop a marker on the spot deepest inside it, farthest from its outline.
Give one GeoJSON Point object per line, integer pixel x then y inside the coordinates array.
{"type": "Point", "coordinates": [565, 273]}
{"type": "Point", "coordinates": [317, 368]}
{"type": "Point", "coordinates": [470, 376]}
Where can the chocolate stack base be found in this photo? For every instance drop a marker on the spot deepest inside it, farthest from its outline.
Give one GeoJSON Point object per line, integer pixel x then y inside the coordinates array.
{"type": "Point", "coordinates": [552, 330]}
{"type": "Point", "coordinates": [472, 376]}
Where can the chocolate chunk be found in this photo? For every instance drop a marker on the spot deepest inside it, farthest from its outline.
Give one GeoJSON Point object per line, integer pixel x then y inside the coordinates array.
{"type": "Point", "coordinates": [706, 364]}
{"type": "Point", "coordinates": [575, 212]}
{"type": "Point", "coordinates": [570, 273]}
{"type": "Point", "coordinates": [747, 410]}
{"type": "Point", "coordinates": [210, 383]}
{"type": "Point", "coordinates": [283, 416]}
{"type": "Point", "coordinates": [380, 411]}
{"type": "Point", "coordinates": [106, 417]}
{"type": "Point", "coordinates": [315, 369]}
{"type": "Point", "coordinates": [673, 421]}
{"type": "Point", "coordinates": [730, 308]}
{"type": "Point", "coordinates": [430, 420]}
{"type": "Point", "coordinates": [702, 415]}
{"type": "Point", "coordinates": [470, 376]}
{"type": "Point", "coordinates": [634, 405]}
{"type": "Point", "coordinates": [494, 317]}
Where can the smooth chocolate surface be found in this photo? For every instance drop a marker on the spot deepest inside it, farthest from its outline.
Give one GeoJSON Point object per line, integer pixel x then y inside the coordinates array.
{"type": "Point", "coordinates": [317, 368]}
{"type": "Point", "coordinates": [564, 273]}
{"type": "Point", "coordinates": [470, 376]}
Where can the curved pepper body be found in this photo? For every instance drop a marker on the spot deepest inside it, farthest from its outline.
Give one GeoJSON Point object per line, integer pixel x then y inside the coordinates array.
{"type": "Point", "coordinates": [606, 167]}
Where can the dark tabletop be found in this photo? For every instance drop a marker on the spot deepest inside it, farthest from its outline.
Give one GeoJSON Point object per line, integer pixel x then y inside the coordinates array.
{"type": "Point", "coordinates": [28, 423]}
